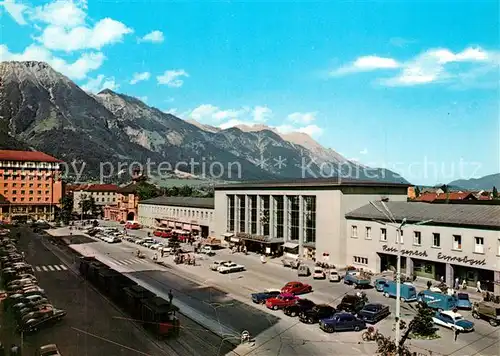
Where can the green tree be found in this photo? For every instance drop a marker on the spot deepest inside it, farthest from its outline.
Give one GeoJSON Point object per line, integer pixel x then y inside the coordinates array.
{"type": "Point", "coordinates": [422, 323]}
{"type": "Point", "coordinates": [66, 208]}
{"type": "Point", "coordinates": [417, 191]}
{"type": "Point", "coordinates": [444, 188]}
{"type": "Point", "coordinates": [495, 193]}
{"type": "Point", "coordinates": [147, 191]}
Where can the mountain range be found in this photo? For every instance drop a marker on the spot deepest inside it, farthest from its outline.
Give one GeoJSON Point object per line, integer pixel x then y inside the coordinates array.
{"type": "Point", "coordinates": [483, 183]}
{"type": "Point", "coordinates": [44, 110]}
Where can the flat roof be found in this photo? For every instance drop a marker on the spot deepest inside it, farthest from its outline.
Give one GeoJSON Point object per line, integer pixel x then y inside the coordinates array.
{"type": "Point", "coordinates": [440, 214]}
{"type": "Point", "coordinates": [190, 202]}
{"type": "Point", "coordinates": [310, 183]}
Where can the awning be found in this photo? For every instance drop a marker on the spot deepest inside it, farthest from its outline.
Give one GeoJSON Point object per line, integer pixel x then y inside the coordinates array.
{"type": "Point", "coordinates": [186, 227]}
{"type": "Point", "coordinates": [171, 224]}
{"type": "Point", "coordinates": [290, 245]}
{"type": "Point", "coordinates": [228, 234]}
{"type": "Point", "coordinates": [164, 222]}
{"type": "Point", "coordinates": [235, 239]}
{"type": "Point", "coordinates": [196, 227]}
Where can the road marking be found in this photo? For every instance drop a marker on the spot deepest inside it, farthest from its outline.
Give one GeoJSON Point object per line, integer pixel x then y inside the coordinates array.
{"type": "Point", "coordinates": [45, 268]}
{"type": "Point", "coordinates": [38, 269]}
{"type": "Point", "coordinates": [64, 268]}
{"type": "Point", "coordinates": [50, 267]}
{"type": "Point", "coordinates": [57, 267]}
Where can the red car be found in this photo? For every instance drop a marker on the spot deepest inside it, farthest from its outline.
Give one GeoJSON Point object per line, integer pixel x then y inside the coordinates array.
{"type": "Point", "coordinates": [296, 288]}
{"type": "Point", "coordinates": [281, 301]}
{"type": "Point", "coordinates": [132, 226]}
{"type": "Point", "coordinates": [162, 233]}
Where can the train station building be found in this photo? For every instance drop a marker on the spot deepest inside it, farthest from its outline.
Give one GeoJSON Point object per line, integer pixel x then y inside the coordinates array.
{"type": "Point", "coordinates": [460, 240]}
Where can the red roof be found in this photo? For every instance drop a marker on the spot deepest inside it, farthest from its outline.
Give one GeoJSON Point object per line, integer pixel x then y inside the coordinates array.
{"type": "Point", "coordinates": [456, 196]}
{"type": "Point", "coordinates": [101, 188]}
{"type": "Point", "coordinates": [426, 197]}
{"type": "Point", "coordinates": [26, 156]}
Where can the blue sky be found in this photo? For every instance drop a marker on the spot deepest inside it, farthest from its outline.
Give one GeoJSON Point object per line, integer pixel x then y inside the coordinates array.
{"type": "Point", "coordinates": [412, 86]}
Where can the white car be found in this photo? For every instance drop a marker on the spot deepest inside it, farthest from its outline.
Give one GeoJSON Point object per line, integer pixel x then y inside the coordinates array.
{"type": "Point", "coordinates": [230, 267]}
{"type": "Point", "coordinates": [216, 264]}
{"type": "Point", "coordinates": [452, 320]}
{"type": "Point", "coordinates": [334, 276]}
{"type": "Point", "coordinates": [207, 250]}
{"type": "Point", "coordinates": [319, 273]}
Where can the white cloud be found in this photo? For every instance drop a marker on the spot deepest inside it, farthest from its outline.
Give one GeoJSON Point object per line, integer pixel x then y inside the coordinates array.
{"type": "Point", "coordinates": [16, 10]}
{"type": "Point", "coordinates": [311, 130]}
{"type": "Point", "coordinates": [139, 77]}
{"type": "Point", "coordinates": [233, 123]}
{"type": "Point", "coordinates": [153, 37]}
{"type": "Point", "coordinates": [302, 118]}
{"type": "Point", "coordinates": [261, 113]}
{"type": "Point", "coordinates": [171, 78]}
{"type": "Point", "coordinates": [106, 31]}
{"type": "Point", "coordinates": [75, 70]}
{"type": "Point", "coordinates": [203, 112]}
{"type": "Point", "coordinates": [228, 114]}
{"type": "Point", "coordinates": [430, 66]}
{"type": "Point", "coordinates": [365, 64]}
{"type": "Point", "coordinates": [63, 13]}
{"type": "Point", "coordinates": [364, 151]}
{"type": "Point", "coordinates": [99, 83]}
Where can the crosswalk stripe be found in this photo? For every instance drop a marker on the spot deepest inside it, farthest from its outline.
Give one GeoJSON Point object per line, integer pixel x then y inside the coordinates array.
{"type": "Point", "coordinates": [45, 268]}
{"type": "Point", "coordinates": [50, 267]}
{"type": "Point", "coordinates": [57, 267]}
{"type": "Point", "coordinates": [38, 269]}
{"type": "Point", "coordinates": [64, 268]}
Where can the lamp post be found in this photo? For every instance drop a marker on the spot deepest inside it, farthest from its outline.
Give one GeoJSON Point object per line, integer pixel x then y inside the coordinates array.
{"type": "Point", "coordinates": [399, 232]}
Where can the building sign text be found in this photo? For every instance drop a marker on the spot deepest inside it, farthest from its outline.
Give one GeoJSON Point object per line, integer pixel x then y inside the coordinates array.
{"type": "Point", "coordinates": [417, 253]}
{"type": "Point", "coordinates": [461, 259]}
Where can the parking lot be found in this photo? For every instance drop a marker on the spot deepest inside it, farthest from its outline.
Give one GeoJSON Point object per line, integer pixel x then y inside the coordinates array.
{"type": "Point", "coordinates": [92, 326]}
{"type": "Point", "coordinates": [483, 341]}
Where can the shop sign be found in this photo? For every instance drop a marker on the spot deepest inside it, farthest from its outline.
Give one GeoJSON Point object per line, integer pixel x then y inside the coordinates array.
{"type": "Point", "coordinates": [243, 235]}
{"type": "Point", "coordinates": [417, 253]}
{"type": "Point", "coordinates": [464, 259]}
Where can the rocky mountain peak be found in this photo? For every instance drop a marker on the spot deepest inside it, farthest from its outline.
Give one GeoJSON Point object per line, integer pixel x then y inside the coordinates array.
{"type": "Point", "coordinates": [39, 73]}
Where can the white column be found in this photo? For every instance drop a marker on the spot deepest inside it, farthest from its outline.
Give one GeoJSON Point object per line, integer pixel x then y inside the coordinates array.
{"type": "Point", "coordinates": [286, 233]}
{"type": "Point", "coordinates": [247, 214]}
{"type": "Point", "coordinates": [301, 225]}
{"type": "Point", "coordinates": [259, 210]}
{"type": "Point", "coordinates": [272, 219]}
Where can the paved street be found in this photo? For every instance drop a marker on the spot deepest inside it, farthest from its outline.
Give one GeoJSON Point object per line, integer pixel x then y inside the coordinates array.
{"type": "Point", "coordinates": [92, 326]}
{"type": "Point", "coordinates": [279, 332]}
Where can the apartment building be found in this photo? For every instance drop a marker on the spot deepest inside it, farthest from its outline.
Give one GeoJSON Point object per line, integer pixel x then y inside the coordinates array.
{"type": "Point", "coordinates": [103, 194]}
{"type": "Point", "coordinates": [30, 185]}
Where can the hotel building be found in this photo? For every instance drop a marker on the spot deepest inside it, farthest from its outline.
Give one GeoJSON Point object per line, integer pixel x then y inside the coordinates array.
{"type": "Point", "coordinates": [103, 194]}
{"type": "Point", "coordinates": [30, 185]}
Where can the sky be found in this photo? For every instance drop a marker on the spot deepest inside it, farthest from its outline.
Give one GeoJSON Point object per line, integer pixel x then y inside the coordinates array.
{"type": "Point", "coordinates": [408, 85]}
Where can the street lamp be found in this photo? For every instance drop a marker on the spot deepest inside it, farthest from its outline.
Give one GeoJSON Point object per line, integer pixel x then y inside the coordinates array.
{"type": "Point", "coordinates": [399, 231]}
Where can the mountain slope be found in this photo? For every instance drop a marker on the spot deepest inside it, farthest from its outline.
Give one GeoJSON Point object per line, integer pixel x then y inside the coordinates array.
{"type": "Point", "coordinates": [483, 183]}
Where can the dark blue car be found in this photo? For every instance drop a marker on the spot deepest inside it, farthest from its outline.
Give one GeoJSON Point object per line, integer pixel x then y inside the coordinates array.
{"type": "Point", "coordinates": [260, 298]}
{"type": "Point", "coordinates": [341, 322]}
{"type": "Point", "coordinates": [463, 301]}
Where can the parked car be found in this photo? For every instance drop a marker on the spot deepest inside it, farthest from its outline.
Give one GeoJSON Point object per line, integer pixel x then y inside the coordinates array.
{"type": "Point", "coordinates": [438, 301]}
{"type": "Point", "coordinates": [351, 304]}
{"type": "Point", "coordinates": [281, 301]}
{"type": "Point", "coordinates": [300, 306]}
{"type": "Point", "coordinates": [296, 288]}
{"type": "Point", "coordinates": [303, 271]}
{"type": "Point", "coordinates": [318, 312]}
{"type": "Point", "coordinates": [358, 279]}
{"type": "Point", "coordinates": [48, 350]}
{"type": "Point", "coordinates": [379, 284]}
{"type": "Point", "coordinates": [31, 301]}
{"type": "Point", "coordinates": [374, 312]}
{"type": "Point", "coordinates": [230, 267]}
{"type": "Point", "coordinates": [408, 293]}
{"type": "Point", "coordinates": [488, 311]}
{"type": "Point", "coordinates": [207, 250]}
{"type": "Point", "coordinates": [260, 298]}
{"type": "Point", "coordinates": [319, 273]}
{"type": "Point", "coordinates": [462, 301]}
{"type": "Point", "coordinates": [341, 322]}
{"type": "Point", "coordinates": [334, 276]}
{"type": "Point", "coordinates": [132, 225]}
{"type": "Point", "coordinates": [35, 324]}
{"type": "Point", "coordinates": [452, 320]}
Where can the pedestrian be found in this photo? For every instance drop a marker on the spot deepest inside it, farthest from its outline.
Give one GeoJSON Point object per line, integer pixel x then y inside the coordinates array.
{"type": "Point", "coordinates": [14, 350]}
{"type": "Point", "coordinates": [457, 283]}
{"type": "Point", "coordinates": [456, 334]}
{"type": "Point", "coordinates": [441, 279]}
{"type": "Point", "coordinates": [478, 287]}
{"type": "Point", "coordinates": [161, 253]}
{"type": "Point", "coordinates": [429, 284]}
{"type": "Point", "coordinates": [464, 284]}
{"type": "Point", "coordinates": [170, 296]}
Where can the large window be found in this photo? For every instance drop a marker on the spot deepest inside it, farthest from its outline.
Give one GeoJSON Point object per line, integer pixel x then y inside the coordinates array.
{"type": "Point", "coordinates": [457, 242]}
{"type": "Point", "coordinates": [294, 216]}
{"type": "Point", "coordinates": [252, 205]}
{"type": "Point", "coordinates": [264, 214]}
{"type": "Point", "coordinates": [309, 218]}
{"type": "Point", "coordinates": [479, 245]}
{"type": "Point", "coordinates": [436, 240]}
{"type": "Point", "coordinates": [279, 209]}
{"type": "Point", "coordinates": [241, 212]}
